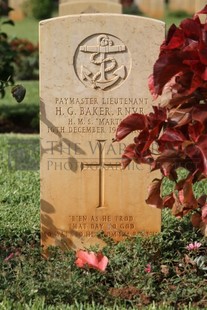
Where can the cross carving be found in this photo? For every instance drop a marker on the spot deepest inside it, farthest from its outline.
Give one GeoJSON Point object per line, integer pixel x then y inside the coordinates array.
{"type": "Point", "coordinates": [101, 166]}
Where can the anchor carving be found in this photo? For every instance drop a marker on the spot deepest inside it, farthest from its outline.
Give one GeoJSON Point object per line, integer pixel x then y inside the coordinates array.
{"type": "Point", "coordinates": [108, 64]}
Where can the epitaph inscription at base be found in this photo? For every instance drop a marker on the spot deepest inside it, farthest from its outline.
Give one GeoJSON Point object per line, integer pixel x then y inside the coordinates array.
{"type": "Point", "coordinates": [90, 79]}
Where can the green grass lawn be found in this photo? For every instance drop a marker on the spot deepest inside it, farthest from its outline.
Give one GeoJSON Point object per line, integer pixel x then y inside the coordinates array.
{"type": "Point", "coordinates": [19, 204]}
{"type": "Point", "coordinates": [25, 29]}
{"type": "Point", "coordinates": [31, 97]}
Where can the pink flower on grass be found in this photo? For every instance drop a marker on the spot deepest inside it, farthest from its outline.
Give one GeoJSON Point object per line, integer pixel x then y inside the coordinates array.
{"type": "Point", "coordinates": [148, 268]}
{"type": "Point", "coordinates": [94, 260]}
{"type": "Point", "coordinates": [9, 257]}
{"type": "Point", "coordinates": [194, 246]}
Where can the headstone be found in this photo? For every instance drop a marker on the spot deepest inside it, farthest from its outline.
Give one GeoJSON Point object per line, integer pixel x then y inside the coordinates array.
{"type": "Point", "coordinates": [68, 1]}
{"type": "Point", "coordinates": [90, 6]}
{"type": "Point", "coordinates": [185, 5]}
{"type": "Point", "coordinates": [93, 72]}
{"type": "Point", "coordinates": [17, 13]}
{"type": "Point", "coordinates": [152, 8]}
{"type": "Point", "coordinates": [199, 5]}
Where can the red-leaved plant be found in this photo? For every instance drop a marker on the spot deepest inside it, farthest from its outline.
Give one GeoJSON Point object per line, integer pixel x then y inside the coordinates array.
{"type": "Point", "coordinates": [177, 125]}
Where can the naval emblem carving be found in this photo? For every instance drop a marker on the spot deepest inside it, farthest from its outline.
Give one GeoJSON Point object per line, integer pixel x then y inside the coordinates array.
{"type": "Point", "coordinates": [102, 62]}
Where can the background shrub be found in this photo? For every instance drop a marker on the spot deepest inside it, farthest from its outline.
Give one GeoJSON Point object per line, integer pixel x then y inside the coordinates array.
{"type": "Point", "coordinates": [42, 9]}
{"type": "Point", "coordinates": [26, 60]}
{"type": "Point", "coordinates": [6, 52]}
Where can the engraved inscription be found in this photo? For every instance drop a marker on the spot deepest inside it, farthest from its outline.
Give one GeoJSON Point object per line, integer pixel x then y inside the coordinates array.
{"type": "Point", "coordinates": [97, 63]}
{"type": "Point", "coordinates": [115, 225]}
{"type": "Point", "coordinates": [88, 226]}
{"type": "Point", "coordinates": [93, 114]}
{"type": "Point", "coordinates": [101, 166]}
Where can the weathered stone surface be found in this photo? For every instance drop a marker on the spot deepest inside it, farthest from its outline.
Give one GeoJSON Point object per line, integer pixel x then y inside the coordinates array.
{"type": "Point", "coordinates": [90, 6]}
{"type": "Point", "coordinates": [93, 73]}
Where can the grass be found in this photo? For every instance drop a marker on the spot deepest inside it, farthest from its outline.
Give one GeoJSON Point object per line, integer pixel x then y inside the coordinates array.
{"type": "Point", "coordinates": [25, 29]}
{"type": "Point", "coordinates": [28, 281]}
{"type": "Point", "coordinates": [32, 94]}
{"type": "Point", "coordinates": [174, 17]}
{"type": "Point", "coordinates": [17, 201]}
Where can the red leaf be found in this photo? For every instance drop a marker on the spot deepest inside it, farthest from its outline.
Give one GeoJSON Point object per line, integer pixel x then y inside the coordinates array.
{"type": "Point", "coordinates": [179, 118]}
{"type": "Point", "coordinates": [195, 130]}
{"type": "Point", "coordinates": [202, 200]}
{"type": "Point", "coordinates": [168, 161]}
{"type": "Point", "coordinates": [199, 113]}
{"type": "Point", "coordinates": [168, 201]}
{"type": "Point", "coordinates": [198, 153]}
{"type": "Point", "coordinates": [177, 208]}
{"type": "Point", "coordinates": [175, 38]}
{"type": "Point", "coordinates": [170, 139]}
{"type": "Point", "coordinates": [183, 82]}
{"type": "Point", "coordinates": [204, 75]}
{"type": "Point", "coordinates": [151, 86]}
{"type": "Point", "coordinates": [130, 123]}
{"type": "Point", "coordinates": [204, 214]}
{"type": "Point", "coordinates": [145, 139]}
{"type": "Point", "coordinates": [128, 155]}
{"type": "Point", "coordinates": [178, 100]}
{"type": "Point", "coordinates": [154, 197]}
{"type": "Point", "coordinates": [203, 52]}
{"type": "Point", "coordinates": [203, 11]}
{"type": "Point", "coordinates": [167, 66]}
{"type": "Point", "coordinates": [191, 29]}
{"type": "Point", "coordinates": [143, 158]}
{"type": "Point", "coordinates": [196, 220]}
{"type": "Point", "coordinates": [185, 200]}
{"type": "Point", "coordinates": [156, 118]}
{"type": "Point", "coordinates": [93, 260]}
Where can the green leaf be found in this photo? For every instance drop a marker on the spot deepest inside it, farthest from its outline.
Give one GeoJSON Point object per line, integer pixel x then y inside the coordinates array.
{"type": "Point", "coordinates": [3, 35]}
{"type": "Point", "coordinates": [2, 92]}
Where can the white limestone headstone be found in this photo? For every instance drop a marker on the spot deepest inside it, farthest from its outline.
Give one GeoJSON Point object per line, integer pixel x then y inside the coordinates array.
{"type": "Point", "coordinates": [93, 72]}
